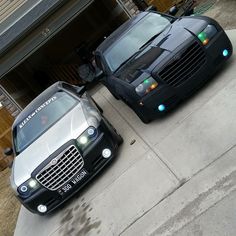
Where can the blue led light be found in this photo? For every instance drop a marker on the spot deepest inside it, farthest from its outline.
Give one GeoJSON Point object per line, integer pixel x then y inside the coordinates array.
{"type": "Point", "coordinates": [225, 53]}
{"type": "Point", "coordinates": [161, 107]}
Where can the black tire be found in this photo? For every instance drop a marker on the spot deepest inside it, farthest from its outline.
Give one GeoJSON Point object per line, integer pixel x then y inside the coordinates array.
{"type": "Point", "coordinates": [114, 95]}
{"type": "Point", "coordinates": [120, 140]}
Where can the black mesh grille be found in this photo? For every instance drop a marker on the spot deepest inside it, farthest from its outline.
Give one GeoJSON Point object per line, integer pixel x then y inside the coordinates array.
{"type": "Point", "coordinates": [184, 67]}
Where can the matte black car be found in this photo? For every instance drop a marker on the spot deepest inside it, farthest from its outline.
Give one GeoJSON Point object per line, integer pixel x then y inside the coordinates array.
{"type": "Point", "coordinates": [60, 141]}
{"type": "Point", "coordinates": [153, 61]}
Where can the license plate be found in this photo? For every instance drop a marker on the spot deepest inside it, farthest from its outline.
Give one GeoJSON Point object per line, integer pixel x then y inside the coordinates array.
{"type": "Point", "coordinates": [74, 181]}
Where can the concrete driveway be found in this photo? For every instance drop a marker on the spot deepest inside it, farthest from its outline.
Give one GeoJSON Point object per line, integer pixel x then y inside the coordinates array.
{"type": "Point", "coordinates": [178, 169]}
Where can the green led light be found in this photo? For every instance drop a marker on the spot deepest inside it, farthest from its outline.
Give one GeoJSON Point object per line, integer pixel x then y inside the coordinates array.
{"type": "Point", "coordinates": [146, 81]}
{"type": "Point", "coordinates": [202, 36]}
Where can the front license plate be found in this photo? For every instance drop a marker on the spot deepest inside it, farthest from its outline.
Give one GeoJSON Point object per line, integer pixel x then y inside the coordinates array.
{"type": "Point", "coordinates": [74, 181]}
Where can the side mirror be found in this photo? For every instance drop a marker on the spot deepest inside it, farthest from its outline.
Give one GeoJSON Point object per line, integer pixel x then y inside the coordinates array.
{"type": "Point", "coordinates": [80, 90]}
{"type": "Point", "coordinates": [173, 10]}
{"type": "Point", "coordinates": [8, 151]}
{"type": "Point", "coordinates": [99, 74]}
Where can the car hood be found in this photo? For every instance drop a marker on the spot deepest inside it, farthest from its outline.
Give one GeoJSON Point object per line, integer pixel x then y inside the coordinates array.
{"type": "Point", "coordinates": [172, 39]}
{"type": "Point", "coordinates": [69, 127]}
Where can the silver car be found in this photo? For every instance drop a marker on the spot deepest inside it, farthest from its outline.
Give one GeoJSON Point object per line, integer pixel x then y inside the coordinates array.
{"type": "Point", "coordinates": [60, 142]}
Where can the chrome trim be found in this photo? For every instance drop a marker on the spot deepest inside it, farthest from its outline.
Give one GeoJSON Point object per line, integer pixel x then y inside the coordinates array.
{"type": "Point", "coordinates": [61, 169]}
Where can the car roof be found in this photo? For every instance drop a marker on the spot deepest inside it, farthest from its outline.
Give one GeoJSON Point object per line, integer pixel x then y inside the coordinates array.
{"type": "Point", "coordinates": [39, 100]}
{"type": "Point", "coordinates": [118, 33]}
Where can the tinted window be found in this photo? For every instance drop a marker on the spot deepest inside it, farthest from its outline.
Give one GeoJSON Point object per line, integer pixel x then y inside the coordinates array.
{"type": "Point", "coordinates": [40, 119]}
{"type": "Point", "coordinates": [137, 36]}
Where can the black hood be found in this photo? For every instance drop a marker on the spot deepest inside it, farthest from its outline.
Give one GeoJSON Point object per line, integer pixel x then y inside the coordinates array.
{"type": "Point", "coordinates": [134, 68]}
{"type": "Point", "coordinates": [178, 34]}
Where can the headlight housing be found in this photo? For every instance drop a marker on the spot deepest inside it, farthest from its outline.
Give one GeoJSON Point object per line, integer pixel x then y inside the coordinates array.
{"type": "Point", "coordinates": [146, 86]}
{"type": "Point", "coordinates": [207, 34]}
{"type": "Point", "coordinates": [28, 188]}
{"type": "Point", "coordinates": [87, 137]}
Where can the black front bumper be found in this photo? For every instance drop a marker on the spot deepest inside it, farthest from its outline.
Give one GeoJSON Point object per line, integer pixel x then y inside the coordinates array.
{"type": "Point", "coordinates": [94, 162]}
{"type": "Point", "coordinates": [170, 96]}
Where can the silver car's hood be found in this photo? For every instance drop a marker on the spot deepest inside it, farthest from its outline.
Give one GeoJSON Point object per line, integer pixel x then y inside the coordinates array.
{"type": "Point", "coordinates": [69, 127]}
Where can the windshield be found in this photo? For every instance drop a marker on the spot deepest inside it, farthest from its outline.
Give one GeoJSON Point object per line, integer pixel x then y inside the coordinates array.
{"type": "Point", "coordinates": [152, 24]}
{"type": "Point", "coordinates": [42, 118]}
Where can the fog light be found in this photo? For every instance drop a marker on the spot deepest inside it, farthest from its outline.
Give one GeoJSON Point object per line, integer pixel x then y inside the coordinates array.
{"type": "Point", "coordinates": [83, 140]}
{"type": "Point", "coordinates": [106, 153]}
{"type": "Point", "coordinates": [161, 107]}
{"type": "Point", "coordinates": [225, 53]}
{"type": "Point", "coordinates": [32, 183]}
{"type": "Point", "coordinates": [42, 208]}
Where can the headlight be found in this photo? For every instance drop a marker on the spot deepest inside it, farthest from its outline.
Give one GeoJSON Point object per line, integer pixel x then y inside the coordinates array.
{"type": "Point", "coordinates": [146, 86]}
{"type": "Point", "coordinates": [27, 188]}
{"type": "Point", "coordinates": [87, 137]}
{"type": "Point", "coordinates": [207, 34]}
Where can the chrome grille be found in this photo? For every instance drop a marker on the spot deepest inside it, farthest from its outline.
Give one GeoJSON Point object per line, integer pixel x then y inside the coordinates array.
{"type": "Point", "coordinates": [184, 66]}
{"type": "Point", "coordinates": [61, 169]}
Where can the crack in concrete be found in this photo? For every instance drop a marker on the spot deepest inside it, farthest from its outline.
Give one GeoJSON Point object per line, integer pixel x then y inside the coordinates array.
{"type": "Point", "coordinates": [222, 187]}
{"type": "Point", "coordinates": [148, 145]}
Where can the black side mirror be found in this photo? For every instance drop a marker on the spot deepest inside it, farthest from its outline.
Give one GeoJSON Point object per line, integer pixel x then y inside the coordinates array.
{"type": "Point", "coordinates": [173, 10]}
{"type": "Point", "coordinates": [8, 151]}
{"type": "Point", "coordinates": [99, 74]}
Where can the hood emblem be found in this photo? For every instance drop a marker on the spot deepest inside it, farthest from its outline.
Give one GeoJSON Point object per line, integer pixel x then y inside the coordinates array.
{"type": "Point", "coordinates": [177, 57]}
{"type": "Point", "coordinates": [53, 162]}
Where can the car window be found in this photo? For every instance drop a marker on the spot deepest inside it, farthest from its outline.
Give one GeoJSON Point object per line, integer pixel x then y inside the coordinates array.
{"type": "Point", "coordinates": [150, 25]}
{"type": "Point", "coordinates": [41, 119]}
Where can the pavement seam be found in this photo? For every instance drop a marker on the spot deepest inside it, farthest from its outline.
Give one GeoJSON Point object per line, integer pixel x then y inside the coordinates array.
{"type": "Point", "coordinates": [181, 182]}
{"type": "Point", "coordinates": [149, 146]}
{"type": "Point", "coordinates": [188, 180]}
{"type": "Point", "coordinates": [202, 213]}
{"type": "Point", "coordinates": [169, 194]}
{"type": "Point", "coordinates": [215, 160]}
{"type": "Point", "coordinates": [107, 186]}
{"type": "Point", "coordinates": [178, 123]}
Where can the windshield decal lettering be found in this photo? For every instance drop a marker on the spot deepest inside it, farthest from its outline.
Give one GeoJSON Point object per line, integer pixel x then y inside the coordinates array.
{"type": "Point", "coordinates": [36, 111]}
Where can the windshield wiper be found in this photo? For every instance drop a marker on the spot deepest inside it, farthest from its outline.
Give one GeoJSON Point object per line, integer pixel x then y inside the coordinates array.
{"type": "Point", "coordinates": [125, 61]}
{"type": "Point", "coordinates": [149, 40]}
{"type": "Point", "coordinates": [132, 56]}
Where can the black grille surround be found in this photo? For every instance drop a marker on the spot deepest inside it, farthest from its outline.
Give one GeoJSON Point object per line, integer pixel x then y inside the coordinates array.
{"type": "Point", "coordinates": [61, 169]}
{"type": "Point", "coordinates": [183, 66]}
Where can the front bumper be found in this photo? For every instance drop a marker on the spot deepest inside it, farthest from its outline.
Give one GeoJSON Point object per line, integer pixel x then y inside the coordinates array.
{"type": "Point", "coordinates": [170, 96]}
{"type": "Point", "coordinates": [94, 162]}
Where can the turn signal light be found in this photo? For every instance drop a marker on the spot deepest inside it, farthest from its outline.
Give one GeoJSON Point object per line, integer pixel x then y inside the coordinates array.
{"type": "Point", "coordinates": [146, 86]}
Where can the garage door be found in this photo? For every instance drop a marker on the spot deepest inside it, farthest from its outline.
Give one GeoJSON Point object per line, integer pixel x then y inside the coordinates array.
{"type": "Point", "coordinates": [34, 28]}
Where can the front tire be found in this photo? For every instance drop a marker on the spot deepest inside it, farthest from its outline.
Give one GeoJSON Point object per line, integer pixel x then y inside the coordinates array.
{"type": "Point", "coordinates": [120, 140]}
